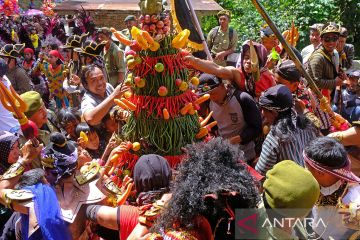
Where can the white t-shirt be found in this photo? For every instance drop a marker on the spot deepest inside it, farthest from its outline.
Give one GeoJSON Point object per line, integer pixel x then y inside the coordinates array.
{"type": "Point", "coordinates": [7, 120]}
{"type": "Point", "coordinates": [306, 52]}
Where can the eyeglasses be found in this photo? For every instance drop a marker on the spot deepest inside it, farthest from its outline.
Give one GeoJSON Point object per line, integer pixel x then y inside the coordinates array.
{"type": "Point", "coordinates": [331, 39]}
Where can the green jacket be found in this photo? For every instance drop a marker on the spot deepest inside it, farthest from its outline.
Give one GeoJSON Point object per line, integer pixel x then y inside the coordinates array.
{"type": "Point", "coordinates": [114, 63]}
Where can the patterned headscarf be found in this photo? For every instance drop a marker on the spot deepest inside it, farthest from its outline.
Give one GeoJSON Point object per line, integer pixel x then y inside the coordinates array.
{"type": "Point", "coordinates": [7, 140]}
{"type": "Point", "coordinates": [343, 172]}
{"type": "Point", "coordinates": [60, 155]}
{"type": "Point", "coordinates": [262, 58]}
{"type": "Point", "coordinates": [277, 98]}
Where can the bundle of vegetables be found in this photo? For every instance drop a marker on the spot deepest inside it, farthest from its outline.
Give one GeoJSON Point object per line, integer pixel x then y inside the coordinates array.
{"type": "Point", "coordinates": [122, 162]}
{"type": "Point", "coordinates": [162, 106]}
{"type": "Point", "coordinates": [164, 137]}
{"type": "Point", "coordinates": [338, 123]}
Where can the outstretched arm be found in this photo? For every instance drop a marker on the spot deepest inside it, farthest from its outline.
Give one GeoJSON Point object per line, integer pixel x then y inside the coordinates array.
{"type": "Point", "coordinates": [227, 73]}
{"type": "Point", "coordinates": [103, 215]}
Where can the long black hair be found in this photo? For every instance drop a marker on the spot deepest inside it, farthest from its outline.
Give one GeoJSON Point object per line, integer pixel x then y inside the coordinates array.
{"type": "Point", "coordinates": [284, 127]}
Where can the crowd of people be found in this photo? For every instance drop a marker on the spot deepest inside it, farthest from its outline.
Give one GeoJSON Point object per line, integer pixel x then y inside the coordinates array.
{"type": "Point", "coordinates": [275, 148]}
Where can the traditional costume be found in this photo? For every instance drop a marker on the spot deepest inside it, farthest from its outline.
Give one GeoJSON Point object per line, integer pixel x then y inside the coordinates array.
{"type": "Point", "coordinates": [283, 144]}
{"type": "Point", "coordinates": [73, 67]}
{"type": "Point", "coordinates": [55, 76]}
{"type": "Point", "coordinates": [342, 195]}
{"type": "Point", "coordinates": [209, 186]}
{"type": "Point", "coordinates": [20, 81]}
{"type": "Point", "coordinates": [37, 79]}
{"type": "Point", "coordinates": [323, 70]}
{"type": "Point", "coordinates": [57, 212]}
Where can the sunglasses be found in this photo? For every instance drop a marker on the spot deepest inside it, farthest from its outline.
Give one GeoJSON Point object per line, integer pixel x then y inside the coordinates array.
{"type": "Point", "coordinates": [331, 39]}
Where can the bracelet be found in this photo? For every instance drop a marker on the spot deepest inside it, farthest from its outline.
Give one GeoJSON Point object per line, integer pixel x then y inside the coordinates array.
{"type": "Point", "coordinates": [6, 200]}
{"type": "Point", "coordinates": [338, 136]}
{"type": "Point", "coordinates": [14, 170]}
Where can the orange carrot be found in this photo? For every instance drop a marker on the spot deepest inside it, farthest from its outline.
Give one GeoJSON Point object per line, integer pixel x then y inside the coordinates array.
{"type": "Point", "coordinates": [202, 99]}
{"type": "Point", "coordinates": [121, 37]}
{"type": "Point", "coordinates": [211, 125]}
{"type": "Point", "coordinates": [191, 111]}
{"type": "Point", "coordinates": [129, 104]}
{"type": "Point", "coordinates": [205, 121]}
{"type": "Point", "coordinates": [114, 157]}
{"type": "Point", "coordinates": [121, 200]}
{"type": "Point", "coordinates": [202, 133]}
{"type": "Point", "coordinates": [121, 104]}
{"type": "Point", "coordinates": [111, 170]}
{"type": "Point", "coordinates": [166, 114]}
{"type": "Point", "coordinates": [186, 108]}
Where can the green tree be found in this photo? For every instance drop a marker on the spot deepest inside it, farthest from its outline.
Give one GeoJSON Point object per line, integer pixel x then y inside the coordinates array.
{"type": "Point", "coordinates": [247, 21]}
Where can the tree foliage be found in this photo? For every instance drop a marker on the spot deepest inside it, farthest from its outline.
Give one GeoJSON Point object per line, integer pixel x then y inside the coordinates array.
{"type": "Point", "coordinates": [247, 21]}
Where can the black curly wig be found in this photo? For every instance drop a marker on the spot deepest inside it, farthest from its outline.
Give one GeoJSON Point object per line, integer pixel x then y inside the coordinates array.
{"type": "Point", "coordinates": [210, 168]}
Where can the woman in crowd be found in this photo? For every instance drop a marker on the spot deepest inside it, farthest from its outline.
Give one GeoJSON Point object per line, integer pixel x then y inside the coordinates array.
{"type": "Point", "coordinates": [247, 82]}
{"type": "Point", "coordinates": [54, 72]}
{"type": "Point", "coordinates": [242, 77]}
{"type": "Point", "coordinates": [12, 156]}
{"type": "Point", "coordinates": [95, 146]}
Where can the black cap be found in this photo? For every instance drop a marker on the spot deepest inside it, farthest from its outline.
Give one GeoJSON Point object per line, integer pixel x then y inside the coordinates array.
{"type": "Point", "coordinates": [207, 83]}
{"type": "Point", "coordinates": [288, 71]}
{"type": "Point", "coordinates": [265, 31]}
{"type": "Point", "coordinates": [74, 41]}
{"type": "Point", "coordinates": [91, 48]}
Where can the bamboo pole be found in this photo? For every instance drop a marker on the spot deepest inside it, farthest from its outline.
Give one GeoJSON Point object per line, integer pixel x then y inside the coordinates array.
{"type": "Point", "coordinates": [323, 101]}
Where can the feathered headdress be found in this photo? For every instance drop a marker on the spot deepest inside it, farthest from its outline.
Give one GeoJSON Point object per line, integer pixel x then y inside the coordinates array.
{"type": "Point", "coordinates": [51, 40]}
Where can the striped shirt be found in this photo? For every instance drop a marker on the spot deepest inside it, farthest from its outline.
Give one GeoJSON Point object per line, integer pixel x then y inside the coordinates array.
{"type": "Point", "coordinates": [322, 68]}
{"type": "Point", "coordinates": [324, 117]}
{"type": "Point", "coordinates": [274, 151]}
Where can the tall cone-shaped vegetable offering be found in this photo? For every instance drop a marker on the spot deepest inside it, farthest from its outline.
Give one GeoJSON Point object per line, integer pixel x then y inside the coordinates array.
{"type": "Point", "coordinates": [163, 108]}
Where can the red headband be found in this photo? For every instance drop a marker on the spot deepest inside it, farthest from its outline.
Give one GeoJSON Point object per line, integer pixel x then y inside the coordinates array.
{"type": "Point", "coordinates": [29, 50]}
{"type": "Point", "coordinates": [342, 173]}
{"type": "Point", "coordinates": [56, 53]}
